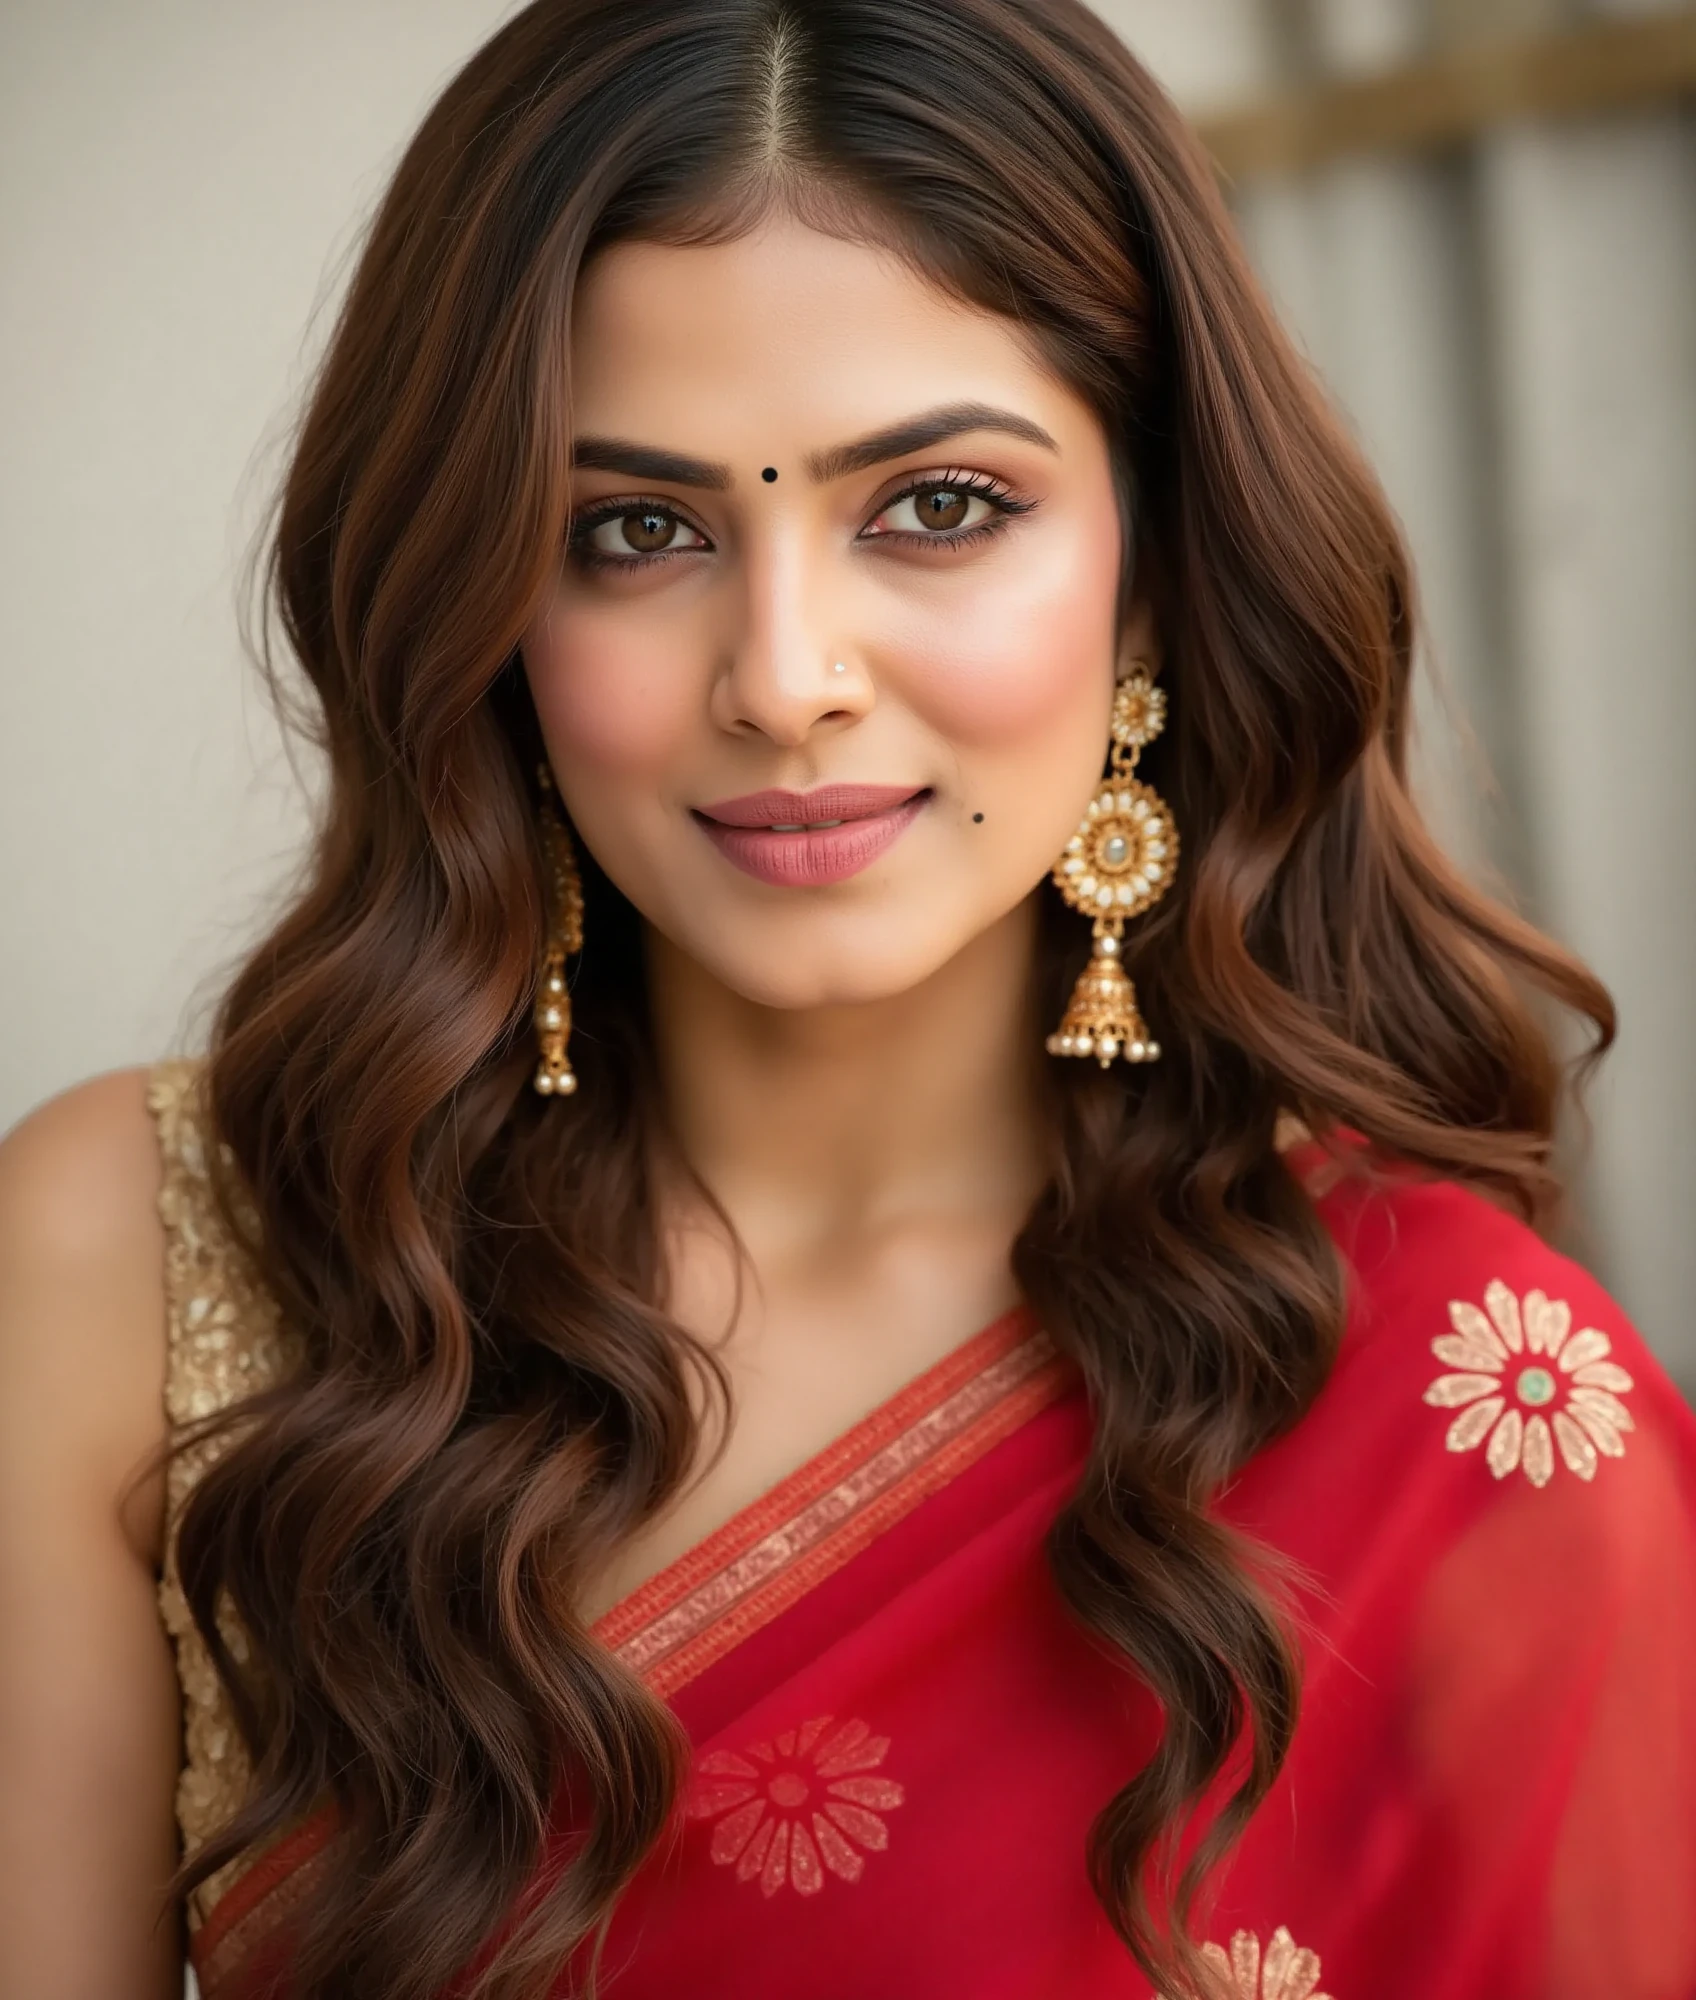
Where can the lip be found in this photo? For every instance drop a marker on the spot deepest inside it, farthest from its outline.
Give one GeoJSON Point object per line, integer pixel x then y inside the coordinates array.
{"type": "Point", "coordinates": [873, 818]}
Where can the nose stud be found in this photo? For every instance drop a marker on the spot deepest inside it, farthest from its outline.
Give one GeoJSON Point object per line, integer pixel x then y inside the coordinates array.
{"type": "Point", "coordinates": [841, 667]}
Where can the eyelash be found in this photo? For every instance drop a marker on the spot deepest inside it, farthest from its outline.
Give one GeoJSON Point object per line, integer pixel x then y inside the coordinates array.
{"type": "Point", "coordinates": [1002, 498]}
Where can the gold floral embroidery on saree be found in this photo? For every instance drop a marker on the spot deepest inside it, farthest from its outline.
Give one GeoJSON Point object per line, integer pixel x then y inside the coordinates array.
{"type": "Point", "coordinates": [1524, 1381]}
{"type": "Point", "coordinates": [224, 1342]}
{"type": "Point", "coordinates": [1285, 1971]}
{"type": "Point", "coordinates": [809, 1802]}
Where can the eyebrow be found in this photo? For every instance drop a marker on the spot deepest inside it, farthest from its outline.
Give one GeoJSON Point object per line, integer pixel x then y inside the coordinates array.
{"type": "Point", "coordinates": [916, 433]}
{"type": "Point", "coordinates": [645, 461]}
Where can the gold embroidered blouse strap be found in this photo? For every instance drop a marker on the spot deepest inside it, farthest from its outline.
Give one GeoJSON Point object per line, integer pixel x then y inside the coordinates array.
{"type": "Point", "coordinates": [224, 1341]}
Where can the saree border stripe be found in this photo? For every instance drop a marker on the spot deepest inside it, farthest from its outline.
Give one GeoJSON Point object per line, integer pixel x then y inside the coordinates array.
{"type": "Point", "coordinates": [257, 1900]}
{"type": "Point", "coordinates": [769, 1556]}
{"type": "Point", "coordinates": [673, 1583]}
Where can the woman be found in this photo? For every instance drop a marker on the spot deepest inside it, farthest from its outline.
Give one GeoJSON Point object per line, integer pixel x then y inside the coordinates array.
{"type": "Point", "coordinates": [849, 1305]}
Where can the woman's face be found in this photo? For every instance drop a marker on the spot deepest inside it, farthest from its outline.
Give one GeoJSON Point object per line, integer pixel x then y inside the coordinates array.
{"type": "Point", "coordinates": [831, 529]}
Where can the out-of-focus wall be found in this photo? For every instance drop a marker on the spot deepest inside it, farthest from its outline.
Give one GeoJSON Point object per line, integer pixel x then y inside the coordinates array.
{"type": "Point", "coordinates": [1510, 324]}
{"type": "Point", "coordinates": [179, 185]}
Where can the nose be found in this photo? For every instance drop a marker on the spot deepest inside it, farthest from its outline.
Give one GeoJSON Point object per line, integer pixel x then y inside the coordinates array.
{"type": "Point", "coordinates": [788, 671]}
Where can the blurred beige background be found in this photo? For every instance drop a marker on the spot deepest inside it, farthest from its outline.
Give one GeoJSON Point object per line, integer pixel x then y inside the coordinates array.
{"type": "Point", "coordinates": [1479, 219]}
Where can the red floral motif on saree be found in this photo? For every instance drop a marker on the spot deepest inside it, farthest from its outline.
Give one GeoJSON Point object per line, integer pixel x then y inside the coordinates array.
{"type": "Point", "coordinates": [791, 1809]}
{"type": "Point", "coordinates": [1507, 1391]}
{"type": "Point", "coordinates": [1286, 1971]}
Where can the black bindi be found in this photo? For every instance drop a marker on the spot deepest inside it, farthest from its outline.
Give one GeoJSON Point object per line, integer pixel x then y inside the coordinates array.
{"type": "Point", "coordinates": [977, 819]}
{"type": "Point", "coordinates": [769, 474]}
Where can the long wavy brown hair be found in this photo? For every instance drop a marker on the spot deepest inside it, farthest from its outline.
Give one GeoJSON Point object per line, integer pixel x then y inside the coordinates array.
{"type": "Point", "coordinates": [492, 1393]}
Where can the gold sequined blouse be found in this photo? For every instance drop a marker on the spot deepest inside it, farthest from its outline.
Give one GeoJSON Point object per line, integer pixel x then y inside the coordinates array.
{"type": "Point", "coordinates": [225, 1341]}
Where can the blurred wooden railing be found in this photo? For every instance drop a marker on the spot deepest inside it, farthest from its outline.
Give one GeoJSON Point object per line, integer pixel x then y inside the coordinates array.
{"type": "Point", "coordinates": [1446, 100]}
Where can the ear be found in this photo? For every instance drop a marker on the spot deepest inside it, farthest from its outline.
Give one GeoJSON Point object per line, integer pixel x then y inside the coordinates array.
{"type": "Point", "coordinates": [1139, 641]}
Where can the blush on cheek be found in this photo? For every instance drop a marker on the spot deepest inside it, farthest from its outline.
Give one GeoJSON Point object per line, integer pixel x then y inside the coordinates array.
{"type": "Point", "coordinates": [1020, 657]}
{"type": "Point", "coordinates": [992, 694]}
{"type": "Point", "coordinates": [606, 700]}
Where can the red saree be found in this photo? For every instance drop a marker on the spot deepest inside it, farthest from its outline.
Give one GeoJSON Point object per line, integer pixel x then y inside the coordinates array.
{"type": "Point", "coordinates": [902, 1736]}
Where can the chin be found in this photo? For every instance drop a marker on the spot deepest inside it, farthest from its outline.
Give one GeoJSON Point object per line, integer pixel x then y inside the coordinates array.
{"type": "Point", "coordinates": [798, 979]}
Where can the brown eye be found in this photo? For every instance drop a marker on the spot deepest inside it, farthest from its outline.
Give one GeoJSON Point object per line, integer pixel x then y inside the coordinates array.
{"type": "Point", "coordinates": [942, 508]}
{"type": "Point", "coordinates": [647, 532]}
{"type": "Point", "coordinates": [942, 514]}
{"type": "Point", "coordinates": [633, 532]}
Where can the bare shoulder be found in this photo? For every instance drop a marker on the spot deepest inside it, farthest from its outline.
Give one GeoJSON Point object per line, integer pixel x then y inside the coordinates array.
{"type": "Point", "coordinates": [89, 1704]}
{"type": "Point", "coordinates": [82, 1169]}
{"type": "Point", "coordinates": [82, 1291]}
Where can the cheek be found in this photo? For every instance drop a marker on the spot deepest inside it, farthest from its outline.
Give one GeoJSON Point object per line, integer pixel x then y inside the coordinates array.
{"type": "Point", "coordinates": [608, 696]}
{"type": "Point", "coordinates": [1029, 654]}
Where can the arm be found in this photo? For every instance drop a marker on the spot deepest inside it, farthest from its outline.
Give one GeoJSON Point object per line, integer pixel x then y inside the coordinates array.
{"type": "Point", "coordinates": [88, 1698]}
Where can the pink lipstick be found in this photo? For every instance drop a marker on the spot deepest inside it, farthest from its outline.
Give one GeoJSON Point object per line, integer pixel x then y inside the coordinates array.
{"type": "Point", "coordinates": [801, 840]}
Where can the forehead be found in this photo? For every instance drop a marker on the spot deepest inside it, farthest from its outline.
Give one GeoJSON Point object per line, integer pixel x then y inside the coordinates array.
{"type": "Point", "coordinates": [790, 333]}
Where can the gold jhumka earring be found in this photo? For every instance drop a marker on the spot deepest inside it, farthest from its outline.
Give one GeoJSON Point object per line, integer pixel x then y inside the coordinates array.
{"type": "Point", "coordinates": [564, 894]}
{"type": "Point", "coordinates": [1120, 861]}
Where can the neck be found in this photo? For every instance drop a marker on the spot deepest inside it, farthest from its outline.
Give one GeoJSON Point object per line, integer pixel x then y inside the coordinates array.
{"type": "Point", "coordinates": [821, 1124]}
